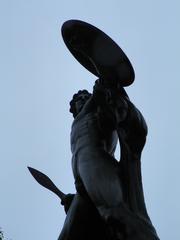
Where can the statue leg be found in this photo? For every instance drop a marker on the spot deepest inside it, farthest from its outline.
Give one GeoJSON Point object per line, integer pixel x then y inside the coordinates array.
{"type": "Point", "coordinates": [99, 173]}
{"type": "Point", "coordinates": [83, 222]}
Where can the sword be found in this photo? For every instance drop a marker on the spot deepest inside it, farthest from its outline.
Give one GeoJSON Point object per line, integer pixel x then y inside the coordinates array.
{"type": "Point", "coordinates": [46, 182]}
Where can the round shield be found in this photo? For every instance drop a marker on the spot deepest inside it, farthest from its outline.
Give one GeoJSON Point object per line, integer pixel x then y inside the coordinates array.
{"type": "Point", "coordinates": [97, 52]}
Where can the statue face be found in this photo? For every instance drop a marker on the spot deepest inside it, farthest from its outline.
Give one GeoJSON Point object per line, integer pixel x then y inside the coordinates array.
{"type": "Point", "coordinates": [80, 101]}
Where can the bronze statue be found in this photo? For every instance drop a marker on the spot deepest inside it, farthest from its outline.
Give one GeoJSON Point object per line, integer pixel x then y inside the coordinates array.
{"type": "Point", "coordinates": [109, 202]}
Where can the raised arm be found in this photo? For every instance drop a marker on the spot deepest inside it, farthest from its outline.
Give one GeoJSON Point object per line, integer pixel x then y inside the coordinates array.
{"type": "Point", "coordinates": [111, 102]}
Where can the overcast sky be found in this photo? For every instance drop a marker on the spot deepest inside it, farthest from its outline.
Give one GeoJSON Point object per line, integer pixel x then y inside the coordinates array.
{"type": "Point", "coordinates": [37, 79]}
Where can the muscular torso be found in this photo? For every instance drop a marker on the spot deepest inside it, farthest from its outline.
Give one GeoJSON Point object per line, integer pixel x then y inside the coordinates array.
{"type": "Point", "coordinates": [88, 137]}
{"type": "Point", "coordinates": [87, 132]}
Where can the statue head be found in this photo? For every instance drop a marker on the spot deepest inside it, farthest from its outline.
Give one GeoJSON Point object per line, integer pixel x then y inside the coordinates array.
{"type": "Point", "coordinates": [78, 101]}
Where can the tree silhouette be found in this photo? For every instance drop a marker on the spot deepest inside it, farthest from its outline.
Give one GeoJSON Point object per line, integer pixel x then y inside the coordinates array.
{"type": "Point", "coordinates": [1, 235]}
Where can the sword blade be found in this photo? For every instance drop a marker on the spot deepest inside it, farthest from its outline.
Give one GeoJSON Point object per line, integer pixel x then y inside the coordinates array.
{"type": "Point", "coordinates": [46, 182]}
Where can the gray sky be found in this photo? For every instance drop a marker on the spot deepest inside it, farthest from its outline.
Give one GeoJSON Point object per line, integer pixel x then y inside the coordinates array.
{"type": "Point", "coordinates": [37, 80]}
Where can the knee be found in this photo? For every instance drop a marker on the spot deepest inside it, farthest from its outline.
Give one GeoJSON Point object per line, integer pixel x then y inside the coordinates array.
{"type": "Point", "coordinates": [115, 219]}
{"type": "Point", "coordinates": [116, 214]}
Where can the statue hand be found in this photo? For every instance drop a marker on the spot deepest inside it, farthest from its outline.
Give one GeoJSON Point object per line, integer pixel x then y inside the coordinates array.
{"type": "Point", "coordinates": [66, 201]}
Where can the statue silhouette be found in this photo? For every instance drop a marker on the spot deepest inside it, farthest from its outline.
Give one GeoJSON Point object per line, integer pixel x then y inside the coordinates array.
{"type": "Point", "coordinates": [109, 201]}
